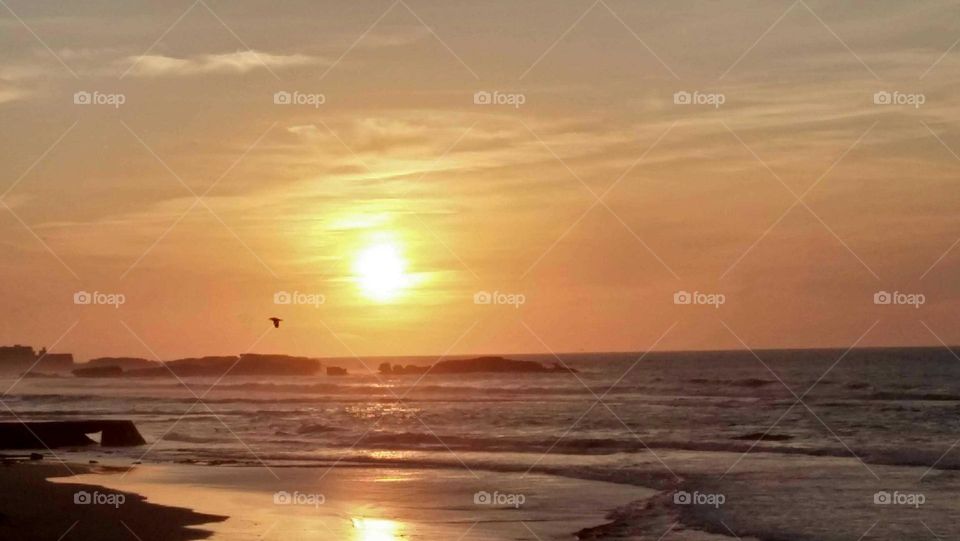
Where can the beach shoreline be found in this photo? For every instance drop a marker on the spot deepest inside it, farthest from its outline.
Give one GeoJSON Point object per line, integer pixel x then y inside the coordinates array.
{"type": "Point", "coordinates": [397, 500]}
{"type": "Point", "coordinates": [181, 502]}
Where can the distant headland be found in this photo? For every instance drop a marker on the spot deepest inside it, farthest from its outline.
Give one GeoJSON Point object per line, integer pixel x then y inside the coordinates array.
{"type": "Point", "coordinates": [248, 364]}
{"type": "Point", "coordinates": [473, 366]}
{"type": "Point", "coordinates": [24, 360]}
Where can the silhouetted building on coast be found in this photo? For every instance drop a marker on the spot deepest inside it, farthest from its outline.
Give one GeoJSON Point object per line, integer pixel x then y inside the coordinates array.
{"type": "Point", "coordinates": [19, 358]}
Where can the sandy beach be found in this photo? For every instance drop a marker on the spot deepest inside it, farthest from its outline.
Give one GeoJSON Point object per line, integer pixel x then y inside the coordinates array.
{"type": "Point", "coordinates": [34, 508]}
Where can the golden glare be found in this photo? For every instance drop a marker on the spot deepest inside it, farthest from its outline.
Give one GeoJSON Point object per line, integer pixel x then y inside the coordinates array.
{"type": "Point", "coordinates": [381, 271]}
{"type": "Point", "coordinates": [375, 529]}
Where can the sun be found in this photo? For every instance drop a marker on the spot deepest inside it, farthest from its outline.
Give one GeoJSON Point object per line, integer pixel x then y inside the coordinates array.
{"type": "Point", "coordinates": [381, 271]}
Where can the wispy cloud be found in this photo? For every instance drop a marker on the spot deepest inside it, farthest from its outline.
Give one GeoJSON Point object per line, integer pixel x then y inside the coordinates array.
{"type": "Point", "coordinates": [226, 63]}
{"type": "Point", "coordinates": [10, 93]}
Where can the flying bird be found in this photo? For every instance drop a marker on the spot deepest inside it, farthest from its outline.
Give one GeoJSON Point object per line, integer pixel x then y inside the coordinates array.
{"type": "Point", "coordinates": [276, 321]}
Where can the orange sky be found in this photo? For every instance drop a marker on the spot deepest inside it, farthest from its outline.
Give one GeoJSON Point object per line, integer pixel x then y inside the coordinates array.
{"type": "Point", "coordinates": [596, 199]}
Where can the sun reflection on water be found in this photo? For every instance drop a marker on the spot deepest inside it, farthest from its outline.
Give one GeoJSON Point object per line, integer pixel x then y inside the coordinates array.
{"type": "Point", "coordinates": [388, 455]}
{"type": "Point", "coordinates": [375, 529]}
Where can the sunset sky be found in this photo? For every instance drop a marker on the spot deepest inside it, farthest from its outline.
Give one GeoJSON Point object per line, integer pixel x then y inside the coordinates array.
{"type": "Point", "coordinates": [398, 198]}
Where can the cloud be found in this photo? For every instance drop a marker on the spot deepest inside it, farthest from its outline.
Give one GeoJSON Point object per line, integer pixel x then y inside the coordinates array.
{"type": "Point", "coordinates": [238, 62]}
{"type": "Point", "coordinates": [23, 72]}
{"type": "Point", "coordinates": [10, 93]}
{"type": "Point", "coordinates": [393, 37]}
{"type": "Point", "coordinates": [304, 130]}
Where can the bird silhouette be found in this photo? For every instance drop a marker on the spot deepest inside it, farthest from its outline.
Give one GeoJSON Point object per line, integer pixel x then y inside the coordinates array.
{"type": "Point", "coordinates": [276, 321]}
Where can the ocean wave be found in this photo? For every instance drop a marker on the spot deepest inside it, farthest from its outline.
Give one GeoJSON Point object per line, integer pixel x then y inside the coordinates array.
{"type": "Point", "coordinates": [747, 382]}
{"type": "Point", "coordinates": [315, 428]}
{"type": "Point", "coordinates": [190, 438]}
{"type": "Point", "coordinates": [489, 455]}
{"type": "Point", "coordinates": [932, 397]}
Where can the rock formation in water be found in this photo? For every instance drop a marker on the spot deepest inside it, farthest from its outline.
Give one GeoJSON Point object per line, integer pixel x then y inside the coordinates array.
{"type": "Point", "coordinates": [53, 434]}
{"type": "Point", "coordinates": [249, 364]}
{"type": "Point", "coordinates": [474, 366]}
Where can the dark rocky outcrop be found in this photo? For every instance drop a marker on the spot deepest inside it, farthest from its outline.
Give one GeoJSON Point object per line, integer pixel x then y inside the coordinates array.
{"type": "Point", "coordinates": [475, 366]}
{"type": "Point", "coordinates": [124, 363]}
{"type": "Point", "coordinates": [250, 364]}
{"type": "Point", "coordinates": [336, 371]}
{"type": "Point", "coordinates": [53, 434]}
{"type": "Point", "coordinates": [398, 369]}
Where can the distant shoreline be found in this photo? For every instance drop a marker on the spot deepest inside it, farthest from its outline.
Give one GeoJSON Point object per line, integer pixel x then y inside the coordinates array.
{"type": "Point", "coordinates": [432, 358]}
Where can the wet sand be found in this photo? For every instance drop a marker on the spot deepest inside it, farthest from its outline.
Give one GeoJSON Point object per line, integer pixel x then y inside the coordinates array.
{"type": "Point", "coordinates": [363, 503]}
{"type": "Point", "coordinates": [51, 501]}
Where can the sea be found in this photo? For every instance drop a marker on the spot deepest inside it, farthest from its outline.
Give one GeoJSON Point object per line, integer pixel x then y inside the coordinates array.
{"type": "Point", "coordinates": [786, 438]}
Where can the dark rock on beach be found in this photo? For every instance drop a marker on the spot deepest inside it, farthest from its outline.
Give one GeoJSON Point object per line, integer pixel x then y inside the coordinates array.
{"type": "Point", "coordinates": [53, 434]}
